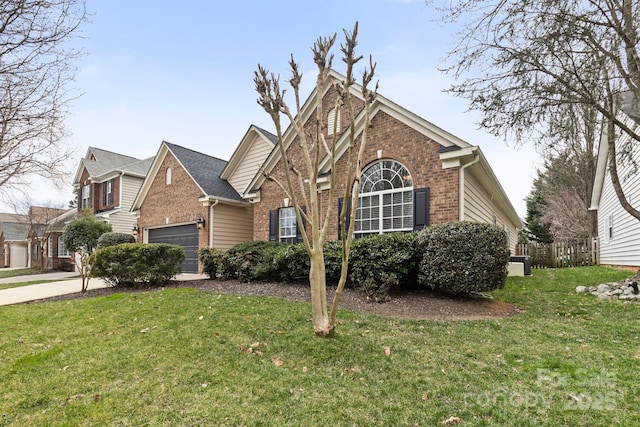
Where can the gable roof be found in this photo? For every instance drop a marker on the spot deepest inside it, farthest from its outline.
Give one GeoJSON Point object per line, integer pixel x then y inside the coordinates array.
{"type": "Point", "coordinates": [203, 169]}
{"type": "Point", "coordinates": [100, 163]}
{"type": "Point", "coordinates": [380, 103]}
{"type": "Point", "coordinates": [244, 147]}
{"type": "Point", "coordinates": [452, 147]}
{"type": "Point", "coordinates": [15, 231]}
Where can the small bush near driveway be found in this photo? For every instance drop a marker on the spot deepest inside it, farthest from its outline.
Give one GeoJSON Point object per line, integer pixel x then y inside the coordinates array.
{"type": "Point", "coordinates": [132, 264]}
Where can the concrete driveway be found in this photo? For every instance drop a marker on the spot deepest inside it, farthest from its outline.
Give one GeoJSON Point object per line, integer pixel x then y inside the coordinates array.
{"type": "Point", "coordinates": [68, 283]}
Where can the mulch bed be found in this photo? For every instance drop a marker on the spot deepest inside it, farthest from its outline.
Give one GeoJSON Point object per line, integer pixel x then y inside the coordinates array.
{"type": "Point", "coordinates": [414, 304]}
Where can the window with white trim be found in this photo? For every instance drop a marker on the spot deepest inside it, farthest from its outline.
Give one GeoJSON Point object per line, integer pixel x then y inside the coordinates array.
{"type": "Point", "coordinates": [167, 176]}
{"type": "Point", "coordinates": [86, 197]}
{"type": "Point", "coordinates": [107, 192]}
{"type": "Point", "coordinates": [386, 199]}
{"type": "Point", "coordinates": [288, 225]}
{"type": "Point", "coordinates": [63, 252]}
{"type": "Point", "coordinates": [50, 247]}
{"type": "Point", "coordinates": [610, 227]}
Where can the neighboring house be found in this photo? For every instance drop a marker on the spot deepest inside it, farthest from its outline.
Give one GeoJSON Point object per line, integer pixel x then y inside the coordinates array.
{"type": "Point", "coordinates": [618, 231]}
{"type": "Point", "coordinates": [16, 248]}
{"type": "Point", "coordinates": [55, 255]}
{"type": "Point", "coordinates": [193, 200]}
{"type": "Point", "coordinates": [415, 174]}
{"type": "Point", "coordinates": [33, 240]}
{"type": "Point", "coordinates": [106, 184]}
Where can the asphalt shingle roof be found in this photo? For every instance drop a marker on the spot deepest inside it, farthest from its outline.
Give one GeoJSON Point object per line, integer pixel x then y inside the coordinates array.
{"type": "Point", "coordinates": [206, 171]}
{"type": "Point", "coordinates": [15, 231]}
{"type": "Point", "coordinates": [107, 161]}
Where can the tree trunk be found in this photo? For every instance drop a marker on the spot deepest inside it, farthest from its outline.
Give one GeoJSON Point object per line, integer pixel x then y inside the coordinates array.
{"type": "Point", "coordinates": [317, 281]}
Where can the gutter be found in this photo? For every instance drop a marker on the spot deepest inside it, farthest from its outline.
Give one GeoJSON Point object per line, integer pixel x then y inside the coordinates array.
{"type": "Point", "coordinates": [476, 158]}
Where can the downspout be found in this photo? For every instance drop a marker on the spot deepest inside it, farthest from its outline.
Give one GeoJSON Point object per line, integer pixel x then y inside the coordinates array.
{"type": "Point", "coordinates": [211, 206]}
{"type": "Point", "coordinates": [476, 158]}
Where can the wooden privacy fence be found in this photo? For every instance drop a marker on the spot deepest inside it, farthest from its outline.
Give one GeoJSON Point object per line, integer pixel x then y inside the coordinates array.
{"type": "Point", "coordinates": [560, 254]}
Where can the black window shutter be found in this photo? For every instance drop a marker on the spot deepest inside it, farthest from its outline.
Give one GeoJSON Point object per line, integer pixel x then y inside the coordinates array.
{"type": "Point", "coordinates": [104, 194]}
{"type": "Point", "coordinates": [420, 208]}
{"type": "Point", "coordinates": [347, 216]}
{"type": "Point", "coordinates": [298, 228]}
{"type": "Point", "coordinates": [273, 225]}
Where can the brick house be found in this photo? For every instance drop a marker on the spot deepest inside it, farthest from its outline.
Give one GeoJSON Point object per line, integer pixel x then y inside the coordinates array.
{"type": "Point", "coordinates": [414, 174]}
{"type": "Point", "coordinates": [14, 237]}
{"type": "Point", "coordinates": [193, 200]}
{"type": "Point", "coordinates": [106, 184]}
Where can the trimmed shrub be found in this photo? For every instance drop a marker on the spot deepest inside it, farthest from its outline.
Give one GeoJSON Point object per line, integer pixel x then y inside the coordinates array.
{"type": "Point", "coordinates": [463, 257]}
{"type": "Point", "coordinates": [212, 260]}
{"type": "Point", "coordinates": [134, 264]}
{"type": "Point", "coordinates": [64, 265]}
{"type": "Point", "coordinates": [380, 264]}
{"type": "Point", "coordinates": [291, 263]}
{"type": "Point", "coordinates": [250, 261]}
{"type": "Point", "coordinates": [113, 238]}
{"type": "Point", "coordinates": [333, 261]}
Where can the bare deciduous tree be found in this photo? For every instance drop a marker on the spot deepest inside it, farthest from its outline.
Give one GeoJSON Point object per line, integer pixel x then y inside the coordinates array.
{"type": "Point", "coordinates": [300, 183]}
{"type": "Point", "coordinates": [36, 73]}
{"type": "Point", "coordinates": [524, 64]}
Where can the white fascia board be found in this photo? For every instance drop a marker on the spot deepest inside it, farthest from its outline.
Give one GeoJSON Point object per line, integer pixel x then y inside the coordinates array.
{"type": "Point", "coordinates": [601, 170]}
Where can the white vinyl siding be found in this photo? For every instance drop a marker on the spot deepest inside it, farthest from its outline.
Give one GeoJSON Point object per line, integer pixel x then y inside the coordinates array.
{"type": "Point", "coordinates": [622, 246]}
{"type": "Point", "coordinates": [250, 164]}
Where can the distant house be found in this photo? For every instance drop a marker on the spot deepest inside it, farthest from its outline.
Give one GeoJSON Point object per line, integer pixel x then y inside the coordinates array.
{"type": "Point", "coordinates": [55, 255]}
{"type": "Point", "coordinates": [106, 184]}
{"type": "Point", "coordinates": [34, 240]}
{"type": "Point", "coordinates": [193, 200]}
{"type": "Point", "coordinates": [415, 174]}
{"type": "Point", "coordinates": [618, 231]}
{"type": "Point", "coordinates": [15, 240]}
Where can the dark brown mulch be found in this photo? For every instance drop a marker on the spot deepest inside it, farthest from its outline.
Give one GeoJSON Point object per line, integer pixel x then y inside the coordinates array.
{"type": "Point", "coordinates": [410, 305]}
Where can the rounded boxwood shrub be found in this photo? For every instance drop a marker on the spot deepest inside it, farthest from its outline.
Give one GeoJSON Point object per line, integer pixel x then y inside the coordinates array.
{"type": "Point", "coordinates": [133, 264]}
{"type": "Point", "coordinates": [463, 257]}
{"type": "Point", "coordinates": [381, 263]}
{"type": "Point", "coordinates": [291, 263]}
{"type": "Point", "coordinates": [212, 261]}
{"type": "Point", "coordinates": [114, 238]}
{"type": "Point", "coordinates": [250, 261]}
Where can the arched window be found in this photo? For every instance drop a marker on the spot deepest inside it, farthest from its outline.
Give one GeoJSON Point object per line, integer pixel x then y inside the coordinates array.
{"type": "Point", "coordinates": [386, 199]}
{"type": "Point", "coordinates": [168, 176]}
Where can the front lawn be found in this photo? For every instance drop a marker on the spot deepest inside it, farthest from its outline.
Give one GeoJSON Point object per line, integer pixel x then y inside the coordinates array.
{"type": "Point", "coordinates": [185, 357]}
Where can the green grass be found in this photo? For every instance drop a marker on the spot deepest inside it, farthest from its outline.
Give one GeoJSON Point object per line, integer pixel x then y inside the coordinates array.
{"type": "Point", "coordinates": [32, 282]}
{"type": "Point", "coordinates": [181, 357]}
{"type": "Point", "coordinates": [4, 273]}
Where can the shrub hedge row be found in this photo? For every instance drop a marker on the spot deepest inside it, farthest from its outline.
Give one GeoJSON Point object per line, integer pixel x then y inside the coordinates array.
{"type": "Point", "coordinates": [457, 258]}
{"type": "Point", "coordinates": [135, 264]}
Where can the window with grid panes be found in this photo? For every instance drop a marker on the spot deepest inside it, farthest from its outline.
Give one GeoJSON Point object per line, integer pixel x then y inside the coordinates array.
{"type": "Point", "coordinates": [386, 199]}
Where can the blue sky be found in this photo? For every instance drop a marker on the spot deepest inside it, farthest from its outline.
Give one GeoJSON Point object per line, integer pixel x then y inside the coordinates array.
{"type": "Point", "coordinates": [182, 71]}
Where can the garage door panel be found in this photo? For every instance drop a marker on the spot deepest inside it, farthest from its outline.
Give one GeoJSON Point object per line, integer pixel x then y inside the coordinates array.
{"type": "Point", "coordinates": [181, 235]}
